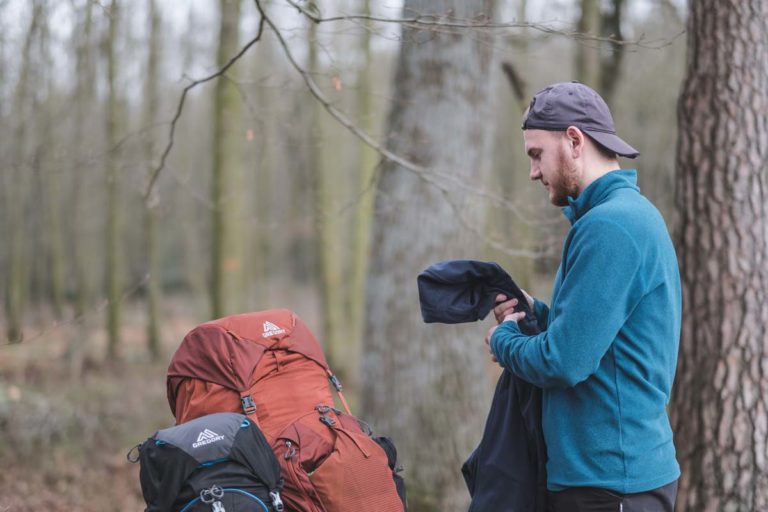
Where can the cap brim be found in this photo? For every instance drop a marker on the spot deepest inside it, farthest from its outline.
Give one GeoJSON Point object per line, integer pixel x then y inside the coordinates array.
{"type": "Point", "coordinates": [614, 143]}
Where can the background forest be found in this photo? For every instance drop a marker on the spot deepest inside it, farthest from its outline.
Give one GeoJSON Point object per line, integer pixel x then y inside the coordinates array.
{"type": "Point", "coordinates": [165, 163]}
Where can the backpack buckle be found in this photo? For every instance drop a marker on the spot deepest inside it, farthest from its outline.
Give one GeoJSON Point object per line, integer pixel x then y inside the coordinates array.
{"type": "Point", "coordinates": [327, 420]}
{"type": "Point", "coordinates": [212, 495]}
{"type": "Point", "coordinates": [249, 406]}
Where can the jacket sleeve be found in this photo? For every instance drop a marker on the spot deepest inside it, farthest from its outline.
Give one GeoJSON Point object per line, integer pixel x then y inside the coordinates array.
{"type": "Point", "coordinates": [601, 285]}
{"type": "Point", "coordinates": [541, 312]}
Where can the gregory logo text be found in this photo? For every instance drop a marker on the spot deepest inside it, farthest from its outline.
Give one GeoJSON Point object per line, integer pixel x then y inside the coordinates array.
{"type": "Point", "coordinates": [207, 437]}
{"type": "Point", "coordinates": [271, 329]}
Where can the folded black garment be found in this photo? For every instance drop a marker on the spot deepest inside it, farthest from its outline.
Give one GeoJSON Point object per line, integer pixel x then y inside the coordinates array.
{"type": "Point", "coordinates": [507, 470]}
{"type": "Point", "coordinates": [458, 291]}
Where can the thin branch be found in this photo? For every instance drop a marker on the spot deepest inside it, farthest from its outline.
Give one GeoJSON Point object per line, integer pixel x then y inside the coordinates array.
{"type": "Point", "coordinates": [432, 177]}
{"type": "Point", "coordinates": [337, 114]}
{"type": "Point", "coordinates": [482, 21]}
{"type": "Point", "coordinates": [180, 107]}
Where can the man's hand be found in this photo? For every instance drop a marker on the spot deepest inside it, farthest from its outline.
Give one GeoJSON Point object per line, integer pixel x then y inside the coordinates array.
{"type": "Point", "coordinates": [512, 317]}
{"type": "Point", "coordinates": [505, 308]}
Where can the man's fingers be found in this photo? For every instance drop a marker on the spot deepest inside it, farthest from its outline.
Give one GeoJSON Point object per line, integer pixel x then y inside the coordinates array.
{"type": "Point", "coordinates": [503, 309]}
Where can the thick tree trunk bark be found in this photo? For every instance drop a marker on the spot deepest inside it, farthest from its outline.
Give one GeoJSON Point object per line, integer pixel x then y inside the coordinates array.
{"type": "Point", "coordinates": [426, 385]}
{"type": "Point", "coordinates": [720, 401]}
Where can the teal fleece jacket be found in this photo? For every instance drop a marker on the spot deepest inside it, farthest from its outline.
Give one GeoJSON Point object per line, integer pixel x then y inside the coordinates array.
{"type": "Point", "coordinates": [607, 358]}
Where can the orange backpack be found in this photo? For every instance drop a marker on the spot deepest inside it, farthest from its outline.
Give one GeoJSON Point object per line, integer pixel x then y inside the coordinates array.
{"type": "Point", "coordinates": [269, 366]}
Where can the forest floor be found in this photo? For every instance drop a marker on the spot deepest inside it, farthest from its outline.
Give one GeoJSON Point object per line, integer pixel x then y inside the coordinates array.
{"type": "Point", "coordinates": [68, 417]}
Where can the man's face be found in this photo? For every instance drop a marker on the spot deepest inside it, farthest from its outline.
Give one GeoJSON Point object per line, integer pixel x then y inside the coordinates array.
{"type": "Point", "coordinates": [552, 164]}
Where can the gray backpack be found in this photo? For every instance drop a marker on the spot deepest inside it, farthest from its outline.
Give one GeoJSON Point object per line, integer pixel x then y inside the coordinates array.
{"type": "Point", "coordinates": [216, 463]}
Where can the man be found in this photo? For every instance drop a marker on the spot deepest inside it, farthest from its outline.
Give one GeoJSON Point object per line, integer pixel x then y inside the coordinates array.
{"type": "Point", "coordinates": [607, 356]}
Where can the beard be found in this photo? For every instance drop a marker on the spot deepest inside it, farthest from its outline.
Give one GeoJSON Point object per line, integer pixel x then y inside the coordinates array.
{"type": "Point", "coordinates": [566, 183]}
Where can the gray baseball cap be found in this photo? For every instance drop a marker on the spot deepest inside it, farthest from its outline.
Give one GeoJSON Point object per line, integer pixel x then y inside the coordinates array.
{"type": "Point", "coordinates": [558, 106]}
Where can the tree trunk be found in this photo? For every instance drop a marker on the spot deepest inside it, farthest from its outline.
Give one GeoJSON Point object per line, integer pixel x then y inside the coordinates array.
{"type": "Point", "coordinates": [150, 220]}
{"type": "Point", "coordinates": [327, 224]}
{"type": "Point", "coordinates": [610, 64]}
{"type": "Point", "coordinates": [426, 385]}
{"type": "Point", "coordinates": [588, 52]}
{"type": "Point", "coordinates": [196, 231]}
{"type": "Point", "coordinates": [16, 190]}
{"type": "Point", "coordinates": [53, 253]}
{"type": "Point", "coordinates": [84, 91]}
{"type": "Point", "coordinates": [227, 286]}
{"type": "Point", "coordinates": [113, 271]}
{"type": "Point", "coordinates": [720, 401]}
{"type": "Point", "coordinates": [365, 190]}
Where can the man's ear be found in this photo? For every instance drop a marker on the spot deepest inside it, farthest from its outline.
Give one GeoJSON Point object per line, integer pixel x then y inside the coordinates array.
{"type": "Point", "coordinates": [576, 141]}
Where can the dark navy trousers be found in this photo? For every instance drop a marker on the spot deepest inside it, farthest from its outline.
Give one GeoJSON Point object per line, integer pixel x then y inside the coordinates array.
{"type": "Point", "coordinates": [592, 499]}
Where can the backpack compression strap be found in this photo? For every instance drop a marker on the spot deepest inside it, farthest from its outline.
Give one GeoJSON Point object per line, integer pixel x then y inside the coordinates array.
{"type": "Point", "coordinates": [249, 404]}
{"type": "Point", "coordinates": [337, 385]}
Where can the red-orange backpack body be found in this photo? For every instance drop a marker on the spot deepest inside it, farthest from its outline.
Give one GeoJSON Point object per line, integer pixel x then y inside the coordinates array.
{"type": "Point", "coordinates": [269, 366]}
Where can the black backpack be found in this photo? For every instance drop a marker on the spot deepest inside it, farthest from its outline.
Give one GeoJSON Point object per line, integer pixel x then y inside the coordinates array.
{"type": "Point", "coordinates": [216, 463]}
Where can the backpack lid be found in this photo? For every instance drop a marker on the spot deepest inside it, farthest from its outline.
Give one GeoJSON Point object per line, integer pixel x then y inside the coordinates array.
{"type": "Point", "coordinates": [207, 438]}
{"type": "Point", "coordinates": [228, 350]}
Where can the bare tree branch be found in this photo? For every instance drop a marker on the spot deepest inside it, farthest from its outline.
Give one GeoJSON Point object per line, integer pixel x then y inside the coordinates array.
{"type": "Point", "coordinates": [517, 82]}
{"type": "Point", "coordinates": [180, 107]}
{"type": "Point", "coordinates": [482, 21]}
{"type": "Point", "coordinates": [433, 178]}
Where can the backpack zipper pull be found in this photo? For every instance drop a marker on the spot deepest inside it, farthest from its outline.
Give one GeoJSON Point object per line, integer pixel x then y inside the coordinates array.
{"type": "Point", "coordinates": [277, 502]}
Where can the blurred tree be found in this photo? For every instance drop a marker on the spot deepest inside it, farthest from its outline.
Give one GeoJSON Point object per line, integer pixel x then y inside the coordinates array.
{"type": "Point", "coordinates": [49, 172]}
{"type": "Point", "coordinates": [227, 244]}
{"type": "Point", "coordinates": [325, 181]}
{"type": "Point", "coordinates": [365, 195]}
{"type": "Point", "coordinates": [588, 51]}
{"type": "Point", "coordinates": [610, 61]}
{"type": "Point", "coordinates": [426, 385]}
{"type": "Point", "coordinates": [85, 83]}
{"type": "Point", "coordinates": [16, 187]}
{"type": "Point", "coordinates": [720, 401]}
{"type": "Point", "coordinates": [151, 99]}
{"type": "Point", "coordinates": [113, 270]}
{"type": "Point", "coordinates": [598, 63]}
{"type": "Point", "coordinates": [196, 132]}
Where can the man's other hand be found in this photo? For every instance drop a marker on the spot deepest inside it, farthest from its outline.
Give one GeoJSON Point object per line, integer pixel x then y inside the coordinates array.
{"type": "Point", "coordinates": [512, 317]}
{"type": "Point", "coordinates": [505, 307]}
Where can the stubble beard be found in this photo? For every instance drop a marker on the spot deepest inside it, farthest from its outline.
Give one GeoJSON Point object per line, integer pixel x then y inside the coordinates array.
{"type": "Point", "coordinates": [566, 183]}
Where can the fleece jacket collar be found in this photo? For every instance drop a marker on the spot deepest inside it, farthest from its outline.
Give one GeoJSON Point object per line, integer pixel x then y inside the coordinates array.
{"type": "Point", "coordinates": [598, 191]}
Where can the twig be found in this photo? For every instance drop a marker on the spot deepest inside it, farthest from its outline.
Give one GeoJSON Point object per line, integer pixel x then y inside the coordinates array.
{"type": "Point", "coordinates": [432, 177]}
{"type": "Point", "coordinates": [483, 22]}
{"type": "Point", "coordinates": [180, 107]}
